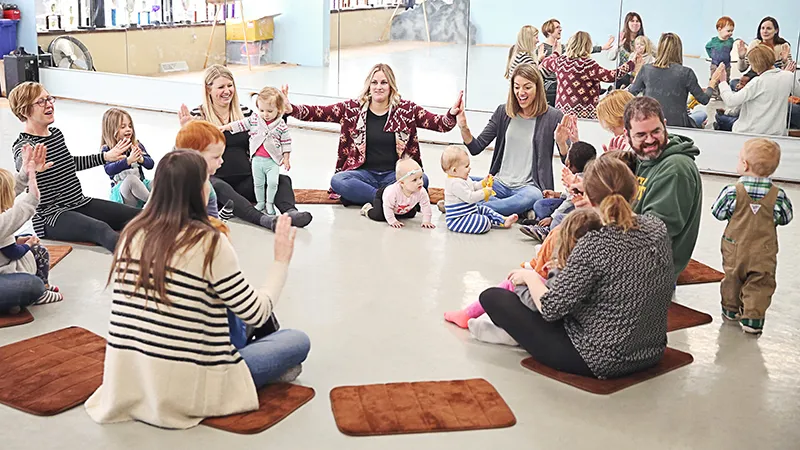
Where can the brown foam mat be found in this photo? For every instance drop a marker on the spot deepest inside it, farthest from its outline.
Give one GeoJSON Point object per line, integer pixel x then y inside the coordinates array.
{"type": "Point", "coordinates": [698, 273]}
{"type": "Point", "coordinates": [320, 196]}
{"type": "Point", "coordinates": [673, 359]}
{"type": "Point", "coordinates": [680, 317]}
{"type": "Point", "coordinates": [57, 253]}
{"type": "Point", "coordinates": [10, 320]}
{"type": "Point", "coordinates": [421, 407]}
{"type": "Point", "coordinates": [51, 373]}
{"type": "Point", "coordinates": [275, 403]}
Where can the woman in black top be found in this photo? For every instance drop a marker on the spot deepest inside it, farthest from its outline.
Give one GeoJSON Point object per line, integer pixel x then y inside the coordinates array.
{"type": "Point", "coordinates": [605, 313]}
{"type": "Point", "coordinates": [234, 179]}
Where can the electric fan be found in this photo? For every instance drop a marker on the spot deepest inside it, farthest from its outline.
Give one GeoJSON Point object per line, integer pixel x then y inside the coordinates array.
{"type": "Point", "coordinates": [70, 53]}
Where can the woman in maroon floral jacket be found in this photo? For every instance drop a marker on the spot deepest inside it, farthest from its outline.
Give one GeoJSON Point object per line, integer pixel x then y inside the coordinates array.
{"type": "Point", "coordinates": [378, 128]}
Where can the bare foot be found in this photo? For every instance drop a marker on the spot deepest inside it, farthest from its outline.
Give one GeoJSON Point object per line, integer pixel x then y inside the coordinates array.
{"type": "Point", "coordinates": [510, 220]}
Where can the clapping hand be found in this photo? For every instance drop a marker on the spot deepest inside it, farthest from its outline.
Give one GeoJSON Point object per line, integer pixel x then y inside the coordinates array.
{"type": "Point", "coordinates": [37, 154]}
{"type": "Point", "coordinates": [118, 152]}
{"type": "Point", "coordinates": [568, 178]}
{"type": "Point", "coordinates": [741, 47]}
{"type": "Point", "coordinates": [785, 52]}
{"type": "Point", "coordinates": [458, 107]}
{"type": "Point", "coordinates": [580, 201]}
{"type": "Point", "coordinates": [791, 67]}
{"type": "Point", "coordinates": [719, 75]}
{"type": "Point", "coordinates": [184, 116]}
{"type": "Point", "coordinates": [608, 44]}
{"type": "Point", "coordinates": [284, 239]}
{"type": "Point", "coordinates": [33, 185]}
{"type": "Point", "coordinates": [286, 104]}
{"type": "Point", "coordinates": [135, 155]}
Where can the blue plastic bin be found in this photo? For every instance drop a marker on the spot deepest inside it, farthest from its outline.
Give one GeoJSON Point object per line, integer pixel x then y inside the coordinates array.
{"type": "Point", "coordinates": [8, 36]}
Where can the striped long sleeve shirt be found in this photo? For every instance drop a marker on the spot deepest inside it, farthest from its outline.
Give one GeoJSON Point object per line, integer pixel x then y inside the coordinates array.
{"type": "Point", "coordinates": [59, 186]}
{"type": "Point", "coordinates": [757, 188]}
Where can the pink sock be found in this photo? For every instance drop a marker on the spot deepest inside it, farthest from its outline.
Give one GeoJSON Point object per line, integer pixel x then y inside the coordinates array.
{"type": "Point", "coordinates": [474, 310]}
{"type": "Point", "coordinates": [507, 285]}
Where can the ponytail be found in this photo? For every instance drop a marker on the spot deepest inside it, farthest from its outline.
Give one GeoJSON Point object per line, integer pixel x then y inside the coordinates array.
{"type": "Point", "coordinates": [615, 210]}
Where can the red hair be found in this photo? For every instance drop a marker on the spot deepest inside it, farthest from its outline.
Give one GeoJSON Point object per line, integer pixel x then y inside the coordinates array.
{"type": "Point", "coordinates": [198, 135]}
{"type": "Point", "coordinates": [725, 21]}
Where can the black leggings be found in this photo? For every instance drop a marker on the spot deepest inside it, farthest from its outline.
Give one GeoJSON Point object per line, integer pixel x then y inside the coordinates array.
{"type": "Point", "coordinates": [241, 190]}
{"type": "Point", "coordinates": [98, 221]}
{"type": "Point", "coordinates": [376, 213]}
{"type": "Point", "coordinates": [547, 342]}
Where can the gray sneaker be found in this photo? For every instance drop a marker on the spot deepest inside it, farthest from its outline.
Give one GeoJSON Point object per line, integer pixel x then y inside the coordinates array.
{"type": "Point", "coordinates": [440, 205]}
{"type": "Point", "coordinates": [291, 374]}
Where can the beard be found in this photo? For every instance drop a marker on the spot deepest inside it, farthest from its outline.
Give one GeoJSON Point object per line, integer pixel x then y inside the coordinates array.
{"type": "Point", "coordinates": [649, 154]}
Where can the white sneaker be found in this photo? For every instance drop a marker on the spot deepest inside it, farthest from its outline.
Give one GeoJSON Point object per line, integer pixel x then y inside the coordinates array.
{"type": "Point", "coordinates": [484, 330]}
{"type": "Point", "coordinates": [365, 209]}
{"type": "Point", "coordinates": [530, 215]}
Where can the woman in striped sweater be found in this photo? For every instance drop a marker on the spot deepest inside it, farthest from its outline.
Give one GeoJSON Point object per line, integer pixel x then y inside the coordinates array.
{"type": "Point", "coordinates": [169, 360]}
{"type": "Point", "coordinates": [64, 213]}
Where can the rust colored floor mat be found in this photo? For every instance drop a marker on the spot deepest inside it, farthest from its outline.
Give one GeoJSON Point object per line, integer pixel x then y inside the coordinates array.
{"type": "Point", "coordinates": [699, 273]}
{"type": "Point", "coordinates": [276, 402]}
{"type": "Point", "coordinates": [21, 318]}
{"type": "Point", "coordinates": [51, 373]}
{"type": "Point", "coordinates": [57, 253]}
{"type": "Point", "coordinates": [680, 317]}
{"type": "Point", "coordinates": [421, 407]}
{"type": "Point", "coordinates": [673, 359]}
{"type": "Point", "coordinates": [320, 196]}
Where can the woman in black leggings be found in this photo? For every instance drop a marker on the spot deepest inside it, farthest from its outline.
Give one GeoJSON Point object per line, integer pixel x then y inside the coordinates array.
{"type": "Point", "coordinates": [605, 314]}
{"type": "Point", "coordinates": [64, 213]}
{"type": "Point", "coordinates": [234, 179]}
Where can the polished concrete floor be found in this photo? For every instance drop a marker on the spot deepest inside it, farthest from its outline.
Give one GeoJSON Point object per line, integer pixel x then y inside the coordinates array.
{"type": "Point", "coordinates": [372, 297]}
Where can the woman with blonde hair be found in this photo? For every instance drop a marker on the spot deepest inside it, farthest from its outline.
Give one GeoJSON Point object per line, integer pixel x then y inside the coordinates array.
{"type": "Point", "coordinates": [670, 82]}
{"type": "Point", "coordinates": [579, 76]}
{"type": "Point", "coordinates": [377, 129]}
{"type": "Point", "coordinates": [523, 51]}
{"type": "Point", "coordinates": [234, 179]}
{"type": "Point", "coordinates": [524, 128]}
{"type": "Point", "coordinates": [605, 314]}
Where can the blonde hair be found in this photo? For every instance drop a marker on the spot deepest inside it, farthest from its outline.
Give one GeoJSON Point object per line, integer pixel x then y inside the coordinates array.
{"type": "Point", "coordinates": [648, 45]}
{"type": "Point", "coordinates": [532, 74]}
{"type": "Point", "coordinates": [7, 192]}
{"type": "Point", "coordinates": [234, 108]}
{"type": "Point", "coordinates": [527, 39]}
{"type": "Point", "coordinates": [112, 120]}
{"type": "Point", "coordinates": [404, 166]}
{"type": "Point", "coordinates": [550, 26]}
{"type": "Point", "coordinates": [611, 109]}
{"type": "Point", "coordinates": [394, 95]}
{"type": "Point", "coordinates": [579, 45]}
{"type": "Point", "coordinates": [610, 184]}
{"type": "Point", "coordinates": [762, 155]}
{"type": "Point", "coordinates": [451, 156]}
{"type": "Point", "coordinates": [270, 94]}
{"type": "Point", "coordinates": [670, 51]}
{"type": "Point", "coordinates": [761, 58]}
{"type": "Point", "coordinates": [21, 99]}
{"type": "Point", "coordinates": [575, 226]}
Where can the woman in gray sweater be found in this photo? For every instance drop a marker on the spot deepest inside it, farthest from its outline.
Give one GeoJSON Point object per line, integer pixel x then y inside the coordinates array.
{"type": "Point", "coordinates": [605, 313]}
{"type": "Point", "coordinates": [670, 82]}
{"type": "Point", "coordinates": [522, 162]}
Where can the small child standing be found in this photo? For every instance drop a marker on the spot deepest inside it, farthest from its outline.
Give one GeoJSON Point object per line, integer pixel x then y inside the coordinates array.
{"type": "Point", "coordinates": [128, 183]}
{"type": "Point", "coordinates": [400, 199]}
{"type": "Point", "coordinates": [575, 226]}
{"type": "Point", "coordinates": [643, 46]}
{"type": "Point", "coordinates": [753, 208]}
{"type": "Point", "coordinates": [719, 48]}
{"type": "Point", "coordinates": [270, 145]}
{"type": "Point", "coordinates": [463, 214]}
{"type": "Point", "coordinates": [578, 157]}
{"type": "Point", "coordinates": [23, 254]}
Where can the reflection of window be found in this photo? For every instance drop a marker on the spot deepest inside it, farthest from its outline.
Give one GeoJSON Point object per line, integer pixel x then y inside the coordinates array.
{"type": "Point", "coordinates": [362, 4]}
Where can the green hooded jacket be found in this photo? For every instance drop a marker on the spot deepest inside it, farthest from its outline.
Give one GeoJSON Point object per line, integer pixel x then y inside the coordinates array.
{"type": "Point", "coordinates": [670, 189]}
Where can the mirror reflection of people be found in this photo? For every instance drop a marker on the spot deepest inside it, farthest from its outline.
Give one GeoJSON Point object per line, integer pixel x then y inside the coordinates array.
{"type": "Point", "coordinates": [377, 129]}
{"type": "Point", "coordinates": [524, 51]}
{"type": "Point", "coordinates": [719, 48]}
{"type": "Point", "coordinates": [768, 34]}
{"type": "Point", "coordinates": [670, 82]}
{"type": "Point", "coordinates": [632, 27]}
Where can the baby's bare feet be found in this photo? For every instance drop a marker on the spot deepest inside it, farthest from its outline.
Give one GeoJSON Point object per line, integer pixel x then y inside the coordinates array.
{"type": "Point", "coordinates": [511, 220]}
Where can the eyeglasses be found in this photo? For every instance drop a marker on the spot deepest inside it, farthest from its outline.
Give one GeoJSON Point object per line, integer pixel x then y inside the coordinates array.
{"type": "Point", "coordinates": [656, 134]}
{"type": "Point", "coordinates": [44, 101]}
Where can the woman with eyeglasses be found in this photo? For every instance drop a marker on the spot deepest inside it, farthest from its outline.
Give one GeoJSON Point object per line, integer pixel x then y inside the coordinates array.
{"type": "Point", "coordinates": [64, 213]}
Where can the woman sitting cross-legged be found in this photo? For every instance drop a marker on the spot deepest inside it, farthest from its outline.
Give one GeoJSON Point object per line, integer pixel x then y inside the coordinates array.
{"type": "Point", "coordinates": [522, 161]}
{"type": "Point", "coordinates": [377, 129]}
{"type": "Point", "coordinates": [605, 313]}
{"type": "Point", "coordinates": [169, 360]}
{"type": "Point", "coordinates": [64, 213]}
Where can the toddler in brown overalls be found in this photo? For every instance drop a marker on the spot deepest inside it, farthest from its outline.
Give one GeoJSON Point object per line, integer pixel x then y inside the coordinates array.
{"type": "Point", "coordinates": [753, 208]}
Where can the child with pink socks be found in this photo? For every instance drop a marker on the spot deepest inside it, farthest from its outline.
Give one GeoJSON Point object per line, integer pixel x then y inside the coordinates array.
{"type": "Point", "coordinates": [575, 226]}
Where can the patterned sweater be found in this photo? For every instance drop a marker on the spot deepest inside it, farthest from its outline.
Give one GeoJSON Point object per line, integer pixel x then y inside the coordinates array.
{"type": "Point", "coordinates": [403, 121]}
{"type": "Point", "coordinates": [613, 296]}
{"type": "Point", "coordinates": [579, 83]}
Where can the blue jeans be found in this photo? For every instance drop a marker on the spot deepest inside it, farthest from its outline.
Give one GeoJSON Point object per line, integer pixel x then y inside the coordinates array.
{"type": "Point", "coordinates": [546, 207]}
{"type": "Point", "coordinates": [359, 186]}
{"type": "Point", "coordinates": [794, 117]}
{"type": "Point", "coordinates": [725, 122]}
{"type": "Point", "coordinates": [699, 117]}
{"type": "Point", "coordinates": [512, 201]}
{"type": "Point", "coordinates": [271, 356]}
{"type": "Point", "coordinates": [19, 290]}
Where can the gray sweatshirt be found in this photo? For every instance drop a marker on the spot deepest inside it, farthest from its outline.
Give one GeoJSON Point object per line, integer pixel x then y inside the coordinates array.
{"type": "Point", "coordinates": [671, 87]}
{"type": "Point", "coordinates": [11, 221]}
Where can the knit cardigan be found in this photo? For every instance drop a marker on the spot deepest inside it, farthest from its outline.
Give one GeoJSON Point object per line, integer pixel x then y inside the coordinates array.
{"type": "Point", "coordinates": [542, 146]}
{"type": "Point", "coordinates": [403, 121]}
{"type": "Point", "coordinates": [12, 220]}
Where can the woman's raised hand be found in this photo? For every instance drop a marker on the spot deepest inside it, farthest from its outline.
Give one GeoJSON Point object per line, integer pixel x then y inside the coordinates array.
{"type": "Point", "coordinates": [461, 120]}
{"type": "Point", "coordinates": [33, 186]}
{"type": "Point", "coordinates": [286, 103]}
{"type": "Point", "coordinates": [37, 154]}
{"type": "Point", "coordinates": [609, 43]}
{"type": "Point", "coordinates": [785, 52]}
{"type": "Point", "coordinates": [284, 239]}
{"type": "Point", "coordinates": [542, 54]}
{"type": "Point", "coordinates": [183, 115]}
{"type": "Point", "coordinates": [118, 152]}
{"type": "Point", "coordinates": [719, 75]}
{"type": "Point", "coordinates": [741, 47]}
{"type": "Point", "coordinates": [791, 67]}
{"type": "Point", "coordinates": [458, 107]}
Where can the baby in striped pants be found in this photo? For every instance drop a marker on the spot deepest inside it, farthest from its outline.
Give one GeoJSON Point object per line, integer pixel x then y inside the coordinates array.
{"type": "Point", "coordinates": [463, 214]}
